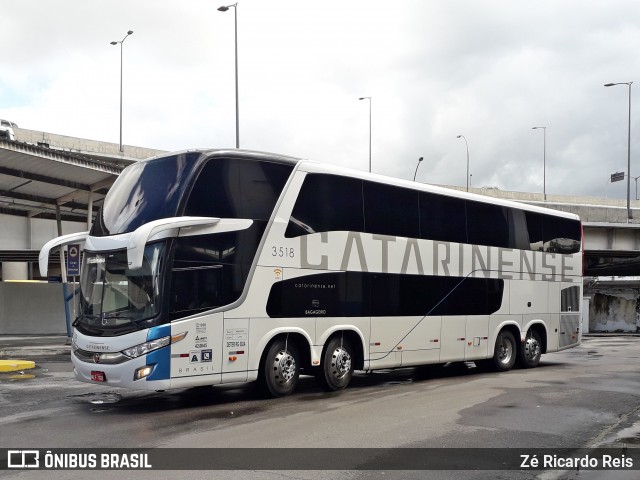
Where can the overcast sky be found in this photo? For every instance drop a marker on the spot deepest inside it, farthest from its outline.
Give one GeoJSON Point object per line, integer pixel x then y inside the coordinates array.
{"type": "Point", "coordinates": [486, 69]}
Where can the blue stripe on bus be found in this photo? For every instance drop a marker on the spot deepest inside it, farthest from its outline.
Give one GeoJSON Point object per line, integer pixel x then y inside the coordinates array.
{"type": "Point", "coordinates": [158, 332]}
{"type": "Point", "coordinates": [161, 358]}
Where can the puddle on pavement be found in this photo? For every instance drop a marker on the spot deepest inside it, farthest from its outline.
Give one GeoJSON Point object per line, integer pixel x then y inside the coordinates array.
{"type": "Point", "coordinates": [98, 398]}
{"type": "Point", "coordinates": [629, 436]}
{"type": "Point", "coordinates": [22, 375]}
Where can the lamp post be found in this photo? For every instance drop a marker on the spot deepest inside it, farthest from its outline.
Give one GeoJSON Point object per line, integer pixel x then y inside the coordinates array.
{"type": "Point", "coordinates": [544, 160]}
{"type": "Point", "coordinates": [414, 175]}
{"type": "Point", "coordinates": [235, 11]}
{"type": "Point", "coordinates": [121, 42]}
{"type": "Point", "coordinates": [467, 145]}
{"type": "Point", "coordinates": [629, 215]}
{"type": "Point", "coordinates": [369, 98]}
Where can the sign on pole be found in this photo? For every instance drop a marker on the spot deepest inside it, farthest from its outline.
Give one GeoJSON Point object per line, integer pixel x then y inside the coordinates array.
{"type": "Point", "coordinates": [73, 260]}
{"type": "Point", "coordinates": [617, 177]}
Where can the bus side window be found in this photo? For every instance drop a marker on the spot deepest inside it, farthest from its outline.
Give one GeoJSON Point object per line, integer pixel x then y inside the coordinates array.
{"type": "Point", "coordinates": [534, 228]}
{"type": "Point", "coordinates": [390, 210]}
{"type": "Point", "coordinates": [488, 224]}
{"type": "Point", "coordinates": [443, 218]}
{"type": "Point", "coordinates": [561, 235]}
{"type": "Point", "coordinates": [327, 203]}
{"type": "Point", "coordinates": [232, 188]}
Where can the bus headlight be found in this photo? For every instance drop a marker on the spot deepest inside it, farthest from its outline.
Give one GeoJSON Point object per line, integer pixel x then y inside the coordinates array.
{"type": "Point", "coordinates": [144, 348]}
{"type": "Point", "coordinates": [150, 346]}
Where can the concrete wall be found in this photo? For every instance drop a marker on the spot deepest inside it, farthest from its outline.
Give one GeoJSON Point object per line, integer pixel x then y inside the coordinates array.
{"type": "Point", "coordinates": [73, 144]}
{"type": "Point", "coordinates": [24, 233]}
{"type": "Point", "coordinates": [614, 311]}
{"type": "Point", "coordinates": [21, 315]}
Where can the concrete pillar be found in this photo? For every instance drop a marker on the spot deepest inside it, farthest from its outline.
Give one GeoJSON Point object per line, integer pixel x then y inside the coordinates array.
{"type": "Point", "coordinates": [586, 305]}
{"type": "Point", "coordinates": [15, 271]}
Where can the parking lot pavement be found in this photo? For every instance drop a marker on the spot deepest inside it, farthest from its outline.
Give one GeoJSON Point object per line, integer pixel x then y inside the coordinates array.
{"type": "Point", "coordinates": [34, 347]}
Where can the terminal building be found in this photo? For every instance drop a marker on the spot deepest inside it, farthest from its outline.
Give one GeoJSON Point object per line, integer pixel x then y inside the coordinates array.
{"type": "Point", "coordinates": [52, 185]}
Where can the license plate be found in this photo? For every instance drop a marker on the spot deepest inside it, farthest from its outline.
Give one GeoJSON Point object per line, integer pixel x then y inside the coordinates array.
{"type": "Point", "coordinates": [98, 376]}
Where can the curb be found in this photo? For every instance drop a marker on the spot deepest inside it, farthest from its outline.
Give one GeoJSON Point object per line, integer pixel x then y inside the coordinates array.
{"type": "Point", "coordinates": [31, 352]}
{"type": "Point", "coordinates": [15, 365]}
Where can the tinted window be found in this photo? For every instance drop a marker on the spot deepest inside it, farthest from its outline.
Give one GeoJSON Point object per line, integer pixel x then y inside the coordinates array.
{"type": "Point", "coordinates": [442, 218]}
{"type": "Point", "coordinates": [144, 191]}
{"type": "Point", "coordinates": [553, 234]}
{"type": "Point", "coordinates": [534, 228]}
{"type": "Point", "coordinates": [561, 235]}
{"type": "Point", "coordinates": [390, 210]}
{"type": "Point", "coordinates": [356, 294]}
{"type": "Point", "coordinates": [488, 225]}
{"type": "Point", "coordinates": [327, 203]}
{"type": "Point", "coordinates": [232, 188]}
{"type": "Point", "coordinates": [410, 295]}
{"type": "Point", "coordinates": [210, 271]}
{"type": "Point", "coordinates": [343, 294]}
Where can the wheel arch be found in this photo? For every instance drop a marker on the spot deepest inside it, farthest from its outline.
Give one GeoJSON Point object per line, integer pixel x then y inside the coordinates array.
{"type": "Point", "coordinates": [357, 342]}
{"type": "Point", "coordinates": [540, 328]}
{"type": "Point", "coordinates": [298, 336]}
{"type": "Point", "coordinates": [510, 326]}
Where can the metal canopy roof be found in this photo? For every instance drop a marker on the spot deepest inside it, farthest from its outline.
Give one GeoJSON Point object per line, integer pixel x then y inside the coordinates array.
{"type": "Point", "coordinates": [34, 180]}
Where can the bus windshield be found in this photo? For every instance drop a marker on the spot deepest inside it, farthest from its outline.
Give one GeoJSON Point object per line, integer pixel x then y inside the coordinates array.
{"type": "Point", "coordinates": [115, 298]}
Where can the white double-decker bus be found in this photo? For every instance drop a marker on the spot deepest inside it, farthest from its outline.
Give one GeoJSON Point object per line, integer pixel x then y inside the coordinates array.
{"type": "Point", "coordinates": [222, 266]}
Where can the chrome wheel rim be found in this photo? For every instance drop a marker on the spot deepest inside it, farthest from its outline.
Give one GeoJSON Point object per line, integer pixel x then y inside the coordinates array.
{"type": "Point", "coordinates": [532, 348]}
{"type": "Point", "coordinates": [284, 367]}
{"type": "Point", "coordinates": [340, 363]}
{"type": "Point", "coordinates": [505, 351]}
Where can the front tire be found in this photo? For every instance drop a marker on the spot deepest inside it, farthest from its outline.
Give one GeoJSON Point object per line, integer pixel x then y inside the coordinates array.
{"type": "Point", "coordinates": [280, 369]}
{"type": "Point", "coordinates": [530, 350]}
{"type": "Point", "coordinates": [336, 368]}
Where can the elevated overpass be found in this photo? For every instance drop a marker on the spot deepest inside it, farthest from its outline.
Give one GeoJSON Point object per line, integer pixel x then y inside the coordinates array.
{"type": "Point", "coordinates": [62, 179]}
{"type": "Point", "coordinates": [612, 246]}
{"type": "Point", "coordinates": [49, 185]}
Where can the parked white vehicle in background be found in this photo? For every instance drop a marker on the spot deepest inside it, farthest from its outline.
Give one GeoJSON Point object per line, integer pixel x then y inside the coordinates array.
{"type": "Point", "coordinates": [6, 130]}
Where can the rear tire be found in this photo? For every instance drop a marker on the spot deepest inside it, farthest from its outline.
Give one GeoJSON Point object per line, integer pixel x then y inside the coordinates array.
{"type": "Point", "coordinates": [530, 351]}
{"type": "Point", "coordinates": [280, 369]}
{"type": "Point", "coordinates": [336, 368]}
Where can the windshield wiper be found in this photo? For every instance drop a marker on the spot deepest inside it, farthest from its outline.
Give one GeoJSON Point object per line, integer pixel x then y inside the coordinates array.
{"type": "Point", "coordinates": [118, 315]}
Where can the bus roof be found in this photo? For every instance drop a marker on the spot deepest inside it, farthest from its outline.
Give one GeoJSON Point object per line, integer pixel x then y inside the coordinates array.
{"type": "Point", "coordinates": [312, 166]}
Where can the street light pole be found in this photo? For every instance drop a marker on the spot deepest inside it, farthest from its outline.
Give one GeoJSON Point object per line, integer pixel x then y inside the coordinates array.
{"type": "Point", "coordinates": [235, 11]}
{"type": "Point", "coordinates": [369, 98]}
{"type": "Point", "coordinates": [629, 215]}
{"type": "Point", "coordinates": [121, 42]}
{"type": "Point", "coordinates": [467, 145]}
{"type": "Point", "coordinates": [414, 175]}
{"type": "Point", "coordinates": [544, 160]}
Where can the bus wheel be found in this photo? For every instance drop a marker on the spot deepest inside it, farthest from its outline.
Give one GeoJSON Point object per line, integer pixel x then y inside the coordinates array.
{"type": "Point", "coordinates": [281, 369]}
{"type": "Point", "coordinates": [336, 369]}
{"type": "Point", "coordinates": [531, 350]}
{"type": "Point", "coordinates": [504, 354]}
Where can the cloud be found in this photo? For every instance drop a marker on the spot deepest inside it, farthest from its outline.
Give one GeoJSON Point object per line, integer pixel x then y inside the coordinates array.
{"type": "Point", "coordinates": [487, 69]}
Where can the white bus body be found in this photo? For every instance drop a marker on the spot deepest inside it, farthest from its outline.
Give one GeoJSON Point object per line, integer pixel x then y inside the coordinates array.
{"type": "Point", "coordinates": [215, 267]}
